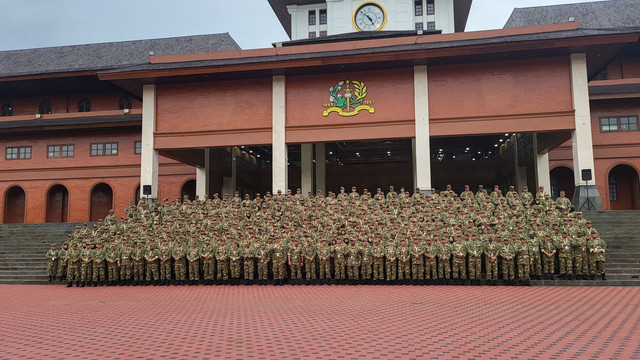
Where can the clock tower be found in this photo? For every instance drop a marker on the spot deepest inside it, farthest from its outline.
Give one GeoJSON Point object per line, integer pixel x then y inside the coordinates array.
{"type": "Point", "coordinates": [303, 19]}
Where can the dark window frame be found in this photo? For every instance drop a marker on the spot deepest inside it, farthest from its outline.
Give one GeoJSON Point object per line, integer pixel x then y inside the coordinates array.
{"type": "Point", "coordinates": [125, 102]}
{"type": "Point", "coordinates": [18, 153]}
{"type": "Point", "coordinates": [100, 149]}
{"type": "Point", "coordinates": [312, 34]}
{"type": "Point", "coordinates": [431, 25]}
{"type": "Point", "coordinates": [431, 7]}
{"type": "Point", "coordinates": [136, 147]}
{"type": "Point", "coordinates": [419, 26]}
{"type": "Point", "coordinates": [84, 105]}
{"type": "Point", "coordinates": [418, 8]}
{"type": "Point", "coordinates": [63, 151]}
{"type": "Point", "coordinates": [45, 107]}
{"type": "Point", "coordinates": [613, 188]}
{"type": "Point", "coordinates": [323, 33]}
{"type": "Point", "coordinates": [6, 109]}
{"type": "Point", "coordinates": [613, 124]}
{"type": "Point", "coordinates": [322, 14]}
{"type": "Point", "coordinates": [312, 18]}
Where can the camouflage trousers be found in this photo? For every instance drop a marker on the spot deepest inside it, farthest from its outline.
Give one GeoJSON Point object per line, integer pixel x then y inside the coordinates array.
{"type": "Point", "coordinates": [234, 266]}
{"type": "Point", "coordinates": [404, 271]}
{"type": "Point", "coordinates": [279, 270]}
{"type": "Point", "coordinates": [596, 266]}
{"type": "Point", "coordinates": [475, 268]}
{"type": "Point", "coordinates": [180, 269]}
{"type": "Point", "coordinates": [99, 273]}
{"type": "Point", "coordinates": [249, 268]}
{"type": "Point", "coordinates": [431, 269]}
{"type": "Point", "coordinates": [263, 270]}
{"type": "Point", "coordinates": [392, 270]}
{"type": "Point", "coordinates": [126, 269]}
{"type": "Point", "coordinates": [296, 271]}
{"type": "Point", "coordinates": [340, 269]}
{"type": "Point", "coordinates": [52, 267]}
{"type": "Point", "coordinates": [325, 269]}
{"type": "Point", "coordinates": [153, 271]}
{"type": "Point", "coordinates": [523, 269]}
{"type": "Point", "coordinates": [580, 262]}
{"type": "Point", "coordinates": [165, 270]}
{"type": "Point", "coordinates": [223, 269]}
{"type": "Point", "coordinates": [310, 271]}
{"type": "Point", "coordinates": [73, 272]}
{"type": "Point", "coordinates": [85, 271]}
{"type": "Point", "coordinates": [194, 270]}
{"type": "Point", "coordinates": [417, 270]}
{"type": "Point", "coordinates": [491, 267]}
{"type": "Point", "coordinates": [353, 271]}
{"type": "Point", "coordinates": [62, 267]}
{"type": "Point", "coordinates": [208, 269]}
{"type": "Point", "coordinates": [548, 264]}
{"type": "Point", "coordinates": [459, 268]}
{"type": "Point", "coordinates": [536, 267]}
{"type": "Point", "coordinates": [508, 269]}
{"type": "Point", "coordinates": [566, 265]}
{"type": "Point", "coordinates": [366, 270]}
{"type": "Point", "coordinates": [444, 269]}
{"type": "Point", "coordinates": [113, 271]}
{"type": "Point", "coordinates": [138, 270]}
{"type": "Point", "coordinates": [378, 269]}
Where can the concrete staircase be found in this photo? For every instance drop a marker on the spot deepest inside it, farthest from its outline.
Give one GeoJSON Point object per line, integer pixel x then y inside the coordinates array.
{"type": "Point", "coordinates": [621, 231]}
{"type": "Point", "coordinates": [23, 248]}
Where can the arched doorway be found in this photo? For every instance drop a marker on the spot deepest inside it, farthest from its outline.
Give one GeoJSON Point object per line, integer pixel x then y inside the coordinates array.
{"type": "Point", "coordinates": [14, 205]}
{"type": "Point", "coordinates": [624, 188]}
{"type": "Point", "coordinates": [189, 189]}
{"type": "Point", "coordinates": [101, 201]}
{"type": "Point", "coordinates": [57, 204]}
{"type": "Point", "coordinates": [562, 179]}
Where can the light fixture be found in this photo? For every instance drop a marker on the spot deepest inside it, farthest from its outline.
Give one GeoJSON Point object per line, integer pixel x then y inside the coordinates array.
{"type": "Point", "coordinates": [479, 152]}
{"type": "Point", "coordinates": [330, 152]}
{"type": "Point", "coordinates": [453, 157]}
{"type": "Point", "coordinates": [495, 145]}
{"type": "Point", "coordinates": [467, 149]}
{"type": "Point", "coordinates": [501, 140]}
{"type": "Point", "coordinates": [250, 151]}
{"type": "Point", "coordinates": [507, 134]}
{"type": "Point", "coordinates": [440, 150]}
{"type": "Point", "coordinates": [474, 159]}
{"type": "Point", "coordinates": [257, 155]}
{"type": "Point", "coordinates": [358, 154]}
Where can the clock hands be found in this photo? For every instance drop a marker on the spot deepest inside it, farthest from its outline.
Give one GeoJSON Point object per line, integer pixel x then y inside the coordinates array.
{"type": "Point", "coordinates": [370, 19]}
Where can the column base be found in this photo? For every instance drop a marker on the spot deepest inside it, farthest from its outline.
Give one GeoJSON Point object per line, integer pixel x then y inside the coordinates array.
{"type": "Point", "coordinates": [425, 192]}
{"type": "Point", "coordinates": [586, 197]}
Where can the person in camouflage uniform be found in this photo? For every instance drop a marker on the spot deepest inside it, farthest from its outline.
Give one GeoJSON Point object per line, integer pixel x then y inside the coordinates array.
{"type": "Point", "coordinates": [248, 262]}
{"type": "Point", "coordinates": [52, 262]}
{"type": "Point", "coordinates": [391, 256]}
{"type": "Point", "coordinates": [222, 261]}
{"type": "Point", "coordinates": [340, 250]}
{"type": "Point", "coordinates": [165, 254]}
{"type": "Point", "coordinates": [534, 250]}
{"type": "Point", "coordinates": [98, 257]}
{"type": "Point", "coordinates": [310, 269]}
{"type": "Point", "coordinates": [73, 268]}
{"type": "Point", "coordinates": [367, 261]}
{"type": "Point", "coordinates": [126, 263]}
{"type": "Point", "coordinates": [63, 260]}
{"type": "Point", "coordinates": [113, 263]}
{"type": "Point", "coordinates": [459, 253]}
{"type": "Point", "coordinates": [474, 251]}
{"type": "Point", "coordinates": [377, 252]}
{"type": "Point", "coordinates": [548, 249]}
{"type": "Point", "coordinates": [179, 254]}
{"type": "Point", "coordinates": [523, 260]}
{"type": "Point", "coordinates": [491, 253]}
{"type": "Point", "coordinates": [138, 264]}
{"type": "Point", "coordinates": [263, 256]}
{"type": "Point", "coordinates": [580, 257]}
{"type": "Point", "coordinates": [193, 260]}
{"type": "Point", "coordinates": [354, 260]}
{"type": "Point", "coordinates": [235, 256]}
{"type": "Point", "coordinates": [565, 255]}
{"type": "Point", "coordinates": [85, 265]}
{"type": "Point", "coordinates": [431, 264]}
{"type": "Point", "coordinates": [507, 255]}
{"type": "Point", "coordinates": [597, 249]}
{"type": "Point", "coordinates": [417, 262]}
{"type": "Point", "coordinates": [324, 259]}
{"type": "Point", "coordinates": [444, 254]}
{"type": "Point", "coordinates": [208, 262]}
{"type": "Point", "coordinates": [152, 266]}
{"type": "Point", "coordinates": [295, 261]}
{"type": "Point", "coordinates": [279, 257]}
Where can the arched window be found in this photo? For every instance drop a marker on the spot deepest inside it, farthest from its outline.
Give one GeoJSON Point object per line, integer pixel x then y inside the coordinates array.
{"type": "Point", "coordinates": [44, 108]}
{"type": "Point", "coordinates": [84, 105]}
{"type": "Point", "coordinates": [125, 102]}
{"type": "Point", "coordinates": [7, 110]}
{"type": "Point", "coordinates": [613, 188]}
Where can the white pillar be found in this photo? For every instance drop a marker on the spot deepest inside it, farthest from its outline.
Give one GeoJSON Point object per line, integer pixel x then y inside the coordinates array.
{"type": "Point", "coordinates": [149, 156]}
{"type": "Point", "coordinates": [202, 177]}
{"type": "Point", "coordinates": [321, 169]}
{"type": "Point", "coordinates": [581, 141]}
{"type": "Point", "coordinates": [306, 157]}
{"type": "Point", "coordinates": [543, 173]}
{"type": "Point", "coordinates": [279, 161]}
{"type": "Point", "coordinates": [422, 153]}
{"type": "Point", "coordinates": [229, 182]}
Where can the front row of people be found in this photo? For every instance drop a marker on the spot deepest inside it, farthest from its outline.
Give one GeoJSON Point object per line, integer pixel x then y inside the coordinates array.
{"type": "Point", "coordinates": [433, 260]}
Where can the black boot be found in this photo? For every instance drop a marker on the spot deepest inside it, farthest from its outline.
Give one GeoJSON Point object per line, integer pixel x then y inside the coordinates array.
{"type": "Point", "coordinates": [70, 284]}
{"type": "Point", "coordinates": [604, 277]}
{"type": "Point", "coordinates": [82, 283]}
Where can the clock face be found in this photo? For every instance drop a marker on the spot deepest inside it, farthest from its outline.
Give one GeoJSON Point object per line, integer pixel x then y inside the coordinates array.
{"type": "Point", "coordinates": [369, 17]}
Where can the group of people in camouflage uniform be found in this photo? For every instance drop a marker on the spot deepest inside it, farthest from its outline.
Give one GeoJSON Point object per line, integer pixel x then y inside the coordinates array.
{"type": "Point", "coordinates": [344, 238]}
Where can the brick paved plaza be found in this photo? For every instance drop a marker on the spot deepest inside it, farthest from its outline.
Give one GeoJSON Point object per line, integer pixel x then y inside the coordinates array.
{"type": "Point", "coordinates": [308, 322]}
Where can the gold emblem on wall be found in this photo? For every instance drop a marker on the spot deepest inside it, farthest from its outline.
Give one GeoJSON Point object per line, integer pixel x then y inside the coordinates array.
{"type": "Point", "coordinates": [348, 101]}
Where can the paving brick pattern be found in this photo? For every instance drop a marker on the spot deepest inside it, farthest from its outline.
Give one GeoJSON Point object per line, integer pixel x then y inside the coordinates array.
{"type": "Point", "coordinates": [314, 322]}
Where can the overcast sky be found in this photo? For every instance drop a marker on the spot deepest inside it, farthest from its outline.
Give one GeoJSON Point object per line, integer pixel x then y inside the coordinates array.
{"type": "Point", "coordinates": [252, 23]}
